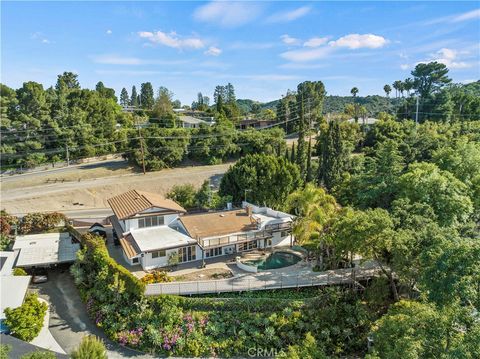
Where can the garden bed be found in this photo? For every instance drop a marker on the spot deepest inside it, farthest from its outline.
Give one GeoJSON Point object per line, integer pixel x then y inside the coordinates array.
{"type": "Point", "coordinates": [204, 274]}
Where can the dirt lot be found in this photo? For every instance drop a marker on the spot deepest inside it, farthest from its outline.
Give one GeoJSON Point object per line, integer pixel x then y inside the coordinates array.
{"type": "Point", "coordinates": [89, 188]}
{"type": "Point", "coordinates": [204, 274]}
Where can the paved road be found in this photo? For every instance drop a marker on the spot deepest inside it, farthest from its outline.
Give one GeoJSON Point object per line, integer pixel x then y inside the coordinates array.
{"type": "Point", "coordinates": [113, 163]}
{"type": "Point", "coordinates": [69, 321]}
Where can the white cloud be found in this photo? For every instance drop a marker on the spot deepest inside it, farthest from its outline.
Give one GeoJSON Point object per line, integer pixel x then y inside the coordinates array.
{"type": "Point", "coordinates": [357, 41]}
{"type": "Point", "coordinates": [172, 40]}
{"type": "Point", "coordinates": [287, 16]}
{"type": "Point", "coordinates": [227, 14]}
{"type": "Point", "coordinates": [404, 66]}
{"type": "Point", "coordinates": [470, 15]}
{"type": "Point", "coordinates": [109, 32]}
{"type": "Point", "coordinates": [315, 41]}
{"type": "Point", "coordinates": [242, 45]}
{"type": "Point", "coordinates": [213, 51]}
{"type": "Point", "coordinates": [288, 40]}
{"type": "Point", "coordinates": [450, 58]}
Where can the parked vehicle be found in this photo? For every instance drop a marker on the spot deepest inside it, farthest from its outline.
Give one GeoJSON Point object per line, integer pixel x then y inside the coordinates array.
{"type": "Point", "coordinates": [40, 276]}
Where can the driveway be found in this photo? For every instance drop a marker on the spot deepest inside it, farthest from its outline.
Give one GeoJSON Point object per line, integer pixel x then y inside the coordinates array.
{"type": "Point", "coordinates": [69, 321]}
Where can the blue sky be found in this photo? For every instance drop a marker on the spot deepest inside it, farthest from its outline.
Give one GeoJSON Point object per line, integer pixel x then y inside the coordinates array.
{"type": "Point", "coordinates": [263, 48]}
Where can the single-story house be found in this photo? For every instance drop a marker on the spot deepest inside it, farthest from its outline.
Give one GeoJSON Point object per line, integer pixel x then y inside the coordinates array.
{"type": "Point", "coordinates": [44, 250]}
{"type": "Point", "coordinates": [152, 229]}
{"type": "Point", "coordinates": [191, 122]}
{"type": "Point", "coordinates": [7, 260]}
{"type": "Point", "coordinates": [368, 121]}
{"type": "Point", "coordinates": [255, 123]}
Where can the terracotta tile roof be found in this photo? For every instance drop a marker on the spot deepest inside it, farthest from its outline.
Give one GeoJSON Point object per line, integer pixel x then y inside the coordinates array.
{"type": "Point", "coordinates": [129, 246]}
{"type": "Point", "coordinates": [132, 202]}
{"type": "Point", "coordinates": [217, 224]}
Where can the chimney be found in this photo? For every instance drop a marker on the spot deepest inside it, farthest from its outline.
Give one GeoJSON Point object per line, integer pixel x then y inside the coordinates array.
{"type": "Point", "coordinates": [249, 210]}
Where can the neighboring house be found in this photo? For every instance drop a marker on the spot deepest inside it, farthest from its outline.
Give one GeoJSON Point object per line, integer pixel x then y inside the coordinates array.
{"type": "Point", "coordinates": [45, 250]}
{"type": "Point", "coordinates": [12, 288]}
{"type": "Point", "coordinates": [152, 230]}
{"type": "Point", "coordinates": [368, 121]}
{"type": "Point", "coordinates": [191, 122]}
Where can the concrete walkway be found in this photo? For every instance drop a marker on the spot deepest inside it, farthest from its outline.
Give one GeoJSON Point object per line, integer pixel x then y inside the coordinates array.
{"type": "Point", "coordinates": [45, 339]}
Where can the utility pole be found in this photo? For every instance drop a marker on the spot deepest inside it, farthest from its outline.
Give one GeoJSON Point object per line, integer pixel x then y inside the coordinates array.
{"type": "Point", "coordinates": [68, 155]}
{"type": "Point", "coordinates": [141, 144]}
{"type": "Point", "coordinates": [416, 114]}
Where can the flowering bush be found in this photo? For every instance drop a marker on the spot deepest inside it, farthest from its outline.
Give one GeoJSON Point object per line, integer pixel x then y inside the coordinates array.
{"type": "Point", "coordinates": [131, 337]}
{"type": "Point", "coordinates": [156, 277]}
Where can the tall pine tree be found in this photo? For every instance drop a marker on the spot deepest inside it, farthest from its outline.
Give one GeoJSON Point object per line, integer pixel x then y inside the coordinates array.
{"type": "Point", "coordinates": [309, 175]}
{"type": "Point", "coordinates": [146, 96]}
{"type": "Point", "coordinates": [124, 99]}
{"type": "Point", "coordinates": [292, 154]}
{"type": "Point", "coordinates": [134, 98]}
{"type": "Point", "coordinates": [333, 156]}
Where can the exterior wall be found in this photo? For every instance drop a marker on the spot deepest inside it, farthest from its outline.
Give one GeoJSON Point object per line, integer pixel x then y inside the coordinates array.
{"type": "Point", "coordinates": [150, 263]}
{"type": "Point", "coordinates": [132, 223]}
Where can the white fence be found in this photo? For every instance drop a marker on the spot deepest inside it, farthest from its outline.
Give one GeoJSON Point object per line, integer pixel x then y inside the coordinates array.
{"type": "Point", "coordinates": [263, 281]}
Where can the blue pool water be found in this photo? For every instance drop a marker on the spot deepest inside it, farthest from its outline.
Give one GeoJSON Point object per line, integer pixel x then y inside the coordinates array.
{"type": "Point", "coordinates": [275, 260]}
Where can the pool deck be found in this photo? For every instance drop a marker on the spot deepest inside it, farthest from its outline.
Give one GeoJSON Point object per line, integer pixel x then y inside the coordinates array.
{"type": "Point", "coordinates": [295, 276]}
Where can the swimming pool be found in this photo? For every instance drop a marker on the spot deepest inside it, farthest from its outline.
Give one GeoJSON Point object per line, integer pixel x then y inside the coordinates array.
{"type": "Point", "coordinates": [275, 260]}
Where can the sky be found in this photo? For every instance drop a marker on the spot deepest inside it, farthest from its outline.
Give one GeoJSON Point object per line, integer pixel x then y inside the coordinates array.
{"type": "Point", "coordinates": [262, 48]}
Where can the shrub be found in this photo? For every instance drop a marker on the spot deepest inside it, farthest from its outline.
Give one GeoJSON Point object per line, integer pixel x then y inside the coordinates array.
{"type": "Point", "coordinates": [4, 242]}
{"type": "Point", "coordinates": [19, 271]}
{"type": "Point", "coordinates": [40, 222]}
{"type": "Point", "coordinates": [26, 321]}
{"type": "Point", "coordinates": [39, 355]}
{"type": "Point", "coordinates": [156, 277]}
{"type": "Point", "coordinates": [5, 350]}
{"type": "Point", "coordinates": [90, 348]}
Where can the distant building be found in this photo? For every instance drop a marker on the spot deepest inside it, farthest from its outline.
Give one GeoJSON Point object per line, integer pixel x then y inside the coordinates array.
{"type": "Point", "coordinates": [364, 121]}
{"type": "Point", "coordinates": [255, 123]}
{"type": "Point", "coordinates": [191, 122]}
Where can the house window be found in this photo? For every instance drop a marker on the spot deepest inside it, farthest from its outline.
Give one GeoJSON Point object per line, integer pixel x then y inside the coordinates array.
{"type": "Point", "coordinates": [135, 260]}
{"type": "Point", "coordinates": [213, 252]}
{"type": "Point", "coordinates": [187, 254]}
{"type": "Point", "coordinates": [151, 221]}
{"type": "Point", "coordinates": [247, 246]}
{"type": "Point", "coordinates": [160, 253]}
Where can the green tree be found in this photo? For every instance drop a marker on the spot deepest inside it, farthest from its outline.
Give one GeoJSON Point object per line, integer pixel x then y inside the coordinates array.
{"type": "Point", "coordinates": [426, 183]}
{"type": "Point", "coordinates": [430, 78]}
{"type": "Point", "coordinates": [163, 104]}
{"type": "Point", "coordinates": [268, 180]}
{"type": "Point", "coordinates": [90, 348]}
{"type": "Point", "coordinates": [183, 194]}
{"type": "Point", "coordinates": [309, 348]}
{"type": "Point", "coordinates": [67, 81]}
{"type": "Point", "coordinates": [134, 97]}
{"type": "Point", "coordinates": [146, 96]}
{"type": "Point", "coordinates": [387, 90]}
{"type": "Point", "coordinates": [333, 155]}
{"type": "Point", "coordinates": [26, 321]}
{"type": "Point", "coordinates": [124, 98]}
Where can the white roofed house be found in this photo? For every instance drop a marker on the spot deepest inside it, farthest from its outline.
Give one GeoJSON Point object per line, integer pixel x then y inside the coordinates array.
{"type": "Point", "coordinates": [191, 122]}
{"type": "Point", "coordinates": [151, 229]}
{"type": "Point", "coordinates": [145, 225]}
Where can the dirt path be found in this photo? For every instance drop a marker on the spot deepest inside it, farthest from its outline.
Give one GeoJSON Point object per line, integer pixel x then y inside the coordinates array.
{"type": "Point", "coordinates": [20, 197]}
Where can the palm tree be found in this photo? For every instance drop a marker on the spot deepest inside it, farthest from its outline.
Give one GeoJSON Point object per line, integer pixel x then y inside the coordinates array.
{"type": "Point", "coordinates": [387, 90]}
{"type": "Point", "coordinates": [354, 91]}
{"type": "Point", "coordinates": [396, 85]}
{"type": "Point", "coordinates": [315, 210]}
{"type": "Point", "coordinates": [408, 85]}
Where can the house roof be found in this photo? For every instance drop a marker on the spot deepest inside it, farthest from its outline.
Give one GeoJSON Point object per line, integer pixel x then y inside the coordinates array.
{"type": "Point", "coordinates": [217, 224]}
{"type": "Point", "coordinates": [7, 259]}
{"type": "Point", "coordinates": [191, 120]}
{"type": "Point", "coordinates": [129, 246]}
{"type": "Point", "coordinates": [13, 291]}
{"type": "Point", "coordinates": [45, 249]}
{"type": "Point", "coordinates": [132, 202]}
{"type": "Point", "coordinates": [156, 238]}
